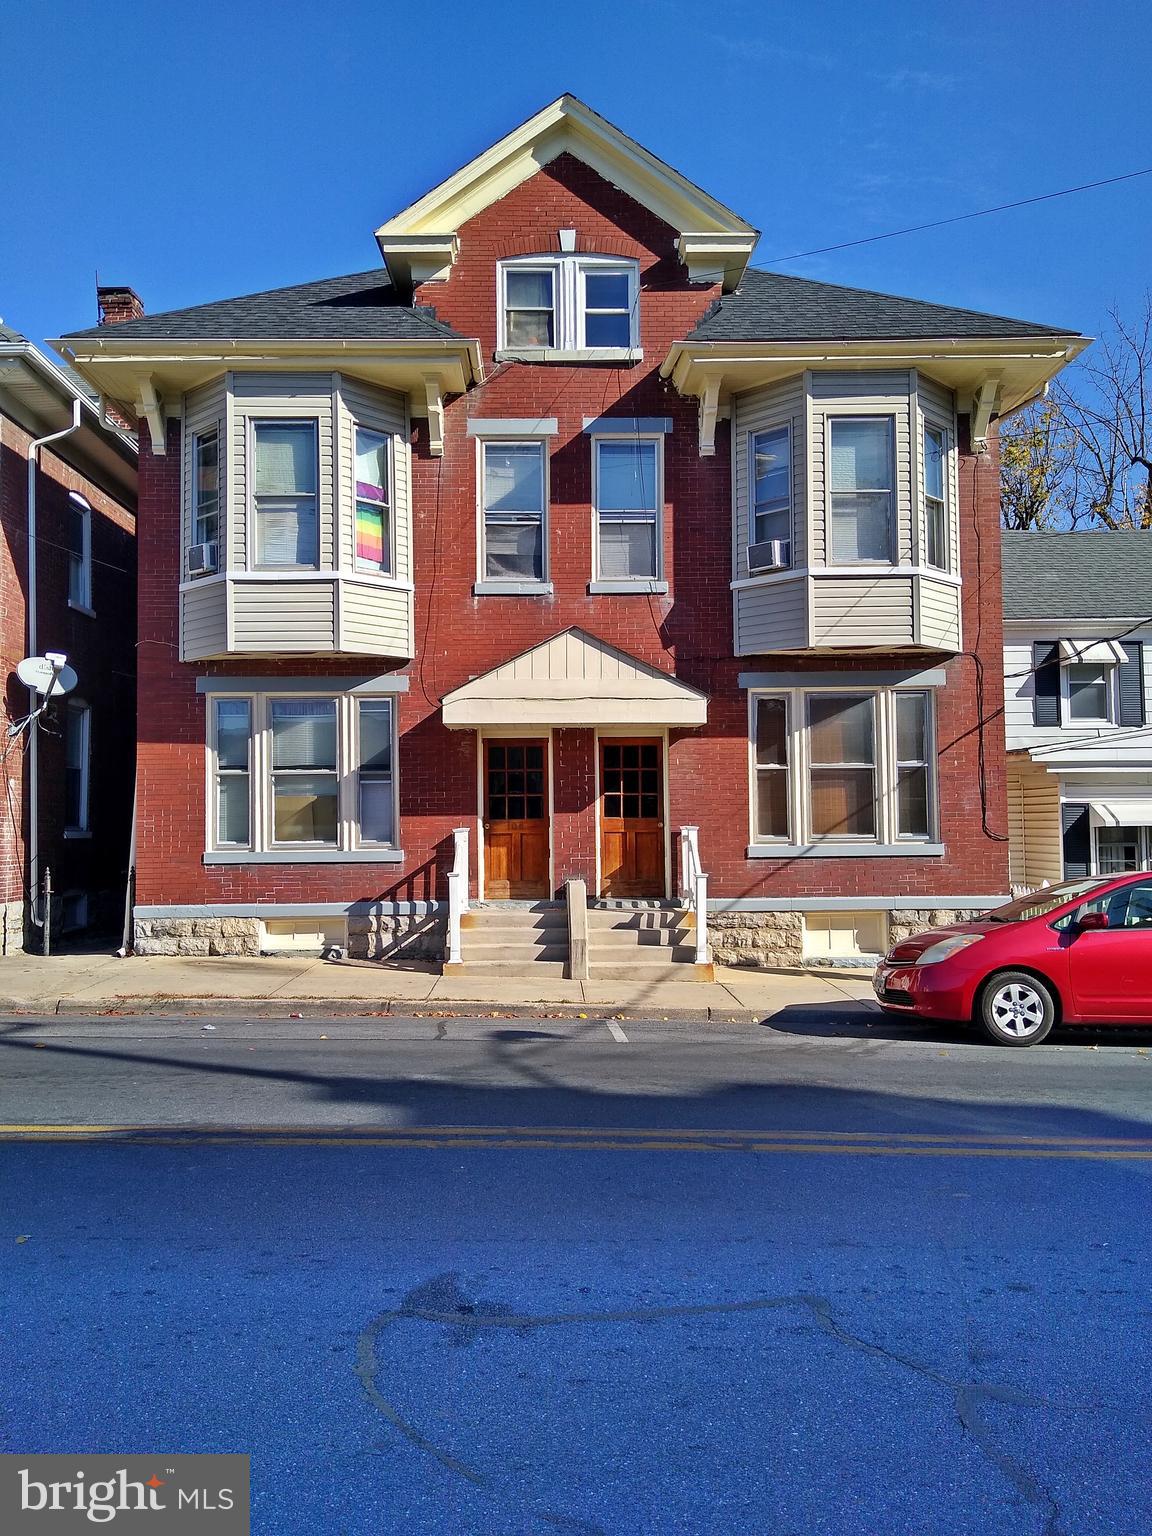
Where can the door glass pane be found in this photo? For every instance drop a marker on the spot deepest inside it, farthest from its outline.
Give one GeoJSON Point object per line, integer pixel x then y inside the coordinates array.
{"type": "Point", "coordinates": [304, 807]}
{"type": "Point", "coordinates": [303, 733]}
{"type": "Point", "coordinates": [649, 807]}
{"type": "Point", "coordinates": [534, 807]}
{"type": "Point", "coordinates": [626, 476]}
{"type": "Point", "coordinates": [840, 728]}
{"type": "Point", "coordinates": [232, 808]}
{"type": "Point", "coordinates": [232, 732]}
{"type": "Point", "coordinates": [627, 550]}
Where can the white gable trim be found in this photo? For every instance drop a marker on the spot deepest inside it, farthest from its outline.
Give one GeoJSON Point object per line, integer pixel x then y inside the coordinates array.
{"type": "Point", "coordinates": [577, 680]}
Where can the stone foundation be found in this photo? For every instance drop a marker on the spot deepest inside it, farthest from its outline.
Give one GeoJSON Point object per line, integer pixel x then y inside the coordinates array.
{"type": "Point", "coordinates": [12, 929]}
{"type": "Point", "coordinates": [369, 937]}
{"type": "Point", "coordinates": [761, 940]}
{"type": "Point", "coordinates": [903, 922]}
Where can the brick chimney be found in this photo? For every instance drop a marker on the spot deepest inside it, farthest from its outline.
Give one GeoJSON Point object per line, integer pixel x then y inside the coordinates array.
{"type": "Point", "coordinates": [118, 304]}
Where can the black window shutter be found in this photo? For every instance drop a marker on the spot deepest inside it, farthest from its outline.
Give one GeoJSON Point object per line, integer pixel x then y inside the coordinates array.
{"type": "Point", "coordinates": [1131, 679]}
{"type": "Point", "coordinates": [1046, 676]}
{"type": "Point", "coordinates": [1077, 841]}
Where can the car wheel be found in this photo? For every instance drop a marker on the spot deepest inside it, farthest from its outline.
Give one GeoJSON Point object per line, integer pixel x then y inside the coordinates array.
{"type": "Point", "coordinates": [1017, 1009]}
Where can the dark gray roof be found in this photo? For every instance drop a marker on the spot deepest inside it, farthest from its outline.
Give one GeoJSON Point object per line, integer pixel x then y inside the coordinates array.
{"type": "Point", "coordinates": [1099, 575]}
{"type": "Point", "coordinates": [361, 306]}
{"type": "Point", "coordinates": [771, 307]}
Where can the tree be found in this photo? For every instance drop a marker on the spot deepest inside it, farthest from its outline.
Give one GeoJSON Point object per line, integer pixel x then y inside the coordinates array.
{"type": "Point", "coordinates": [1083, 457]}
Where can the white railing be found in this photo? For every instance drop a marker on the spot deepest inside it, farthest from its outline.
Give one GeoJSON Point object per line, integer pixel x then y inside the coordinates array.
{"type": "Point", "coordinates": [457, 891]}
{"type": "Point", "coordinates": [694, 888]}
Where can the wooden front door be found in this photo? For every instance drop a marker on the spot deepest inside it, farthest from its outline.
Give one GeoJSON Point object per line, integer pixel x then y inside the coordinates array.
{"type": "Point", "coordinates": [631, 817]}
{"type": "Point", "coordinates": [515, 820]}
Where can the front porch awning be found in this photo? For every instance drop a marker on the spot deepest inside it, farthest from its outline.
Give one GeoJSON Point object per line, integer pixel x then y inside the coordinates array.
{"type": "Point", "coordinates": [574, 679]}
{"type": "Point", "coordinates": [1122, 813]}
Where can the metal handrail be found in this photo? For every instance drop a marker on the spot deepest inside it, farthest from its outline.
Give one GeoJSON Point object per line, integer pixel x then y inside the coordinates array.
{"type": "Point", "coordinates": [457, 891]}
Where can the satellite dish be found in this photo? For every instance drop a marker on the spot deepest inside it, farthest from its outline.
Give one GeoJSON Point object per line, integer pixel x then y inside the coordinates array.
{"type": "Point", "coordinates": [46, 677]}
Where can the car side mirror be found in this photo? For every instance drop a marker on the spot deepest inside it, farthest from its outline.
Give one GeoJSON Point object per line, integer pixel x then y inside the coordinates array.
{"type": "Point", "coordinates": [1092, 922]}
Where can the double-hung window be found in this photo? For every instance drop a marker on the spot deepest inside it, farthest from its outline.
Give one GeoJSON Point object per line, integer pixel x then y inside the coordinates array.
{"type": "Point", "coordinates": [206, 487]}
{"type": "Point", "coordinates": [77, 767]}
{"type": "Point", "coordinates": [294, 775]}
{"type": "Point", "coordinates": [569, 304]}
{"type": "Point", "coordinates": [935, 498]}
{"type": "Point", "coordinates": [513, 479]}
{"type": "Point", "coordinates": [79, 551]}
{"type": "Point", "coordinates": [373, 502]}
{"type": "Point", "coordinates": [628, 500]}
{"type": "Point", "coordinates": [861, 478]}
{"type": "Point", "coordinates": [842, 768]}
{"type": "Point", "coordinates": [771, 510]}
{"type": "Point", "coordinates": [1090, 688]}
{"type": "Point", "coordinates": [284, 493]}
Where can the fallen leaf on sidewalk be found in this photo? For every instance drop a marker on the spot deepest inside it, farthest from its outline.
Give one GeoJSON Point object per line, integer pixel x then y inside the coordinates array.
{"type": "Point", "coordinates": [24, 1238]}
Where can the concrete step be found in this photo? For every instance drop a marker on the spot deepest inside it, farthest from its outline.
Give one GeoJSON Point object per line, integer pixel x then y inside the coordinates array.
{"type": "Point", "coordinates": [630, 941]}
{"type": "Point", "coordinates": [515, 933]}
{"type": "Point", "coordinates": [657, 957]}
{"type": "Point", "coordinates": [514, 954]}
{"type": "Point", "coordinates": [686, 971]}
{"type": "Point", "coordinates": [601, 919]}
{"type": "Point", "coordinates": [508, 917]}
{"type": "Point", "coordinates": [503, 969]}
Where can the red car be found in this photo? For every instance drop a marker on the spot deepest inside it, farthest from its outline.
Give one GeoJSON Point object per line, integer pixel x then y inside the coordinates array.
{"type": "Point", "coordinates": [1076, 953]}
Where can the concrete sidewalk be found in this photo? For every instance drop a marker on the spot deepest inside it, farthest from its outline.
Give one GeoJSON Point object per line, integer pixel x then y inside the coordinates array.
{"type": "Point", "coordinates": [104, 983]}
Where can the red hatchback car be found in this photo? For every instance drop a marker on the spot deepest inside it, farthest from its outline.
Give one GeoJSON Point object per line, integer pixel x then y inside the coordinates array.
{"type": "Point", "coordinates": [1076, 953]}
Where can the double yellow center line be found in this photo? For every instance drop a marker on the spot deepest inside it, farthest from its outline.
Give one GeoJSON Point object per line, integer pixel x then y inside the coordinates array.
{"type": "Point", "coordinates": [600, 1139]}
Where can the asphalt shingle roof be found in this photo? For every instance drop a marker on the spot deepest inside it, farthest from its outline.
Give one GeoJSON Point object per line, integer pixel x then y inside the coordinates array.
{"type": "Point", "coordinates": [362, 305]}
{"type": "Point", "coordinates": [1098, 575]}
{"type": "Point", "coordinates": [771, 307]}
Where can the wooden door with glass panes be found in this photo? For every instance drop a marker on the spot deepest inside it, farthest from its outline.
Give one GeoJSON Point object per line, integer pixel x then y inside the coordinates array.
{"type": "Point", "coordinates": [516, 820]}
{"type": "Point", "coordinates": [631, 817]}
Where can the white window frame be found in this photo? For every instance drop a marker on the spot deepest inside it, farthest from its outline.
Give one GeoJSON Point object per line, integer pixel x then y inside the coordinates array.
{"type": "Point", "coordinates": [1112, 692]}
{"type": "Point", "coordinates": [79, 711]}
{"type": "Point", "coordinates": [569, 310]}
{"type": "Point", "coordinates": [799, 765]}
{"type": "Point", "coordinates": [261, 417]}
{"type": "Point", "coordinates": [81, 600]}
{"type": "Point", "coordinates": [834, 414]}
{"type": "Point", "coordinates": [771, 426]}
{"type": "Point", "coordinates": [513, 585]}
{"type": "Point", "coordinates": [939, 429]}
{"type": "Point", "coordinates": [349, 840]}
{"type": "Point", "coordinates": [639, 583]}
{"type": "Point", "coordinates": [369, 566]}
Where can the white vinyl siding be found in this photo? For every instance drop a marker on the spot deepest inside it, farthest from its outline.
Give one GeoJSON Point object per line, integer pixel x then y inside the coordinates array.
{"type": "Point", "coordinates": [204, 621]}
{"type": "Point", "coordinates": [291, 616]}
{"type": "Point", "coordinates": [862, 610]}
{"type": "Point", "coordinates": [1035, 846]}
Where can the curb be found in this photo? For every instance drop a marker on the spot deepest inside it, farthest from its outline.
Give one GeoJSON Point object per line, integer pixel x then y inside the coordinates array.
{"type": "Point", "coordinates": [290, 1009]}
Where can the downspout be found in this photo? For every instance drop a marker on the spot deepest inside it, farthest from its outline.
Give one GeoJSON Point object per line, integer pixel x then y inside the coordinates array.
{"type": "Point", "coordinates": [34, 448]}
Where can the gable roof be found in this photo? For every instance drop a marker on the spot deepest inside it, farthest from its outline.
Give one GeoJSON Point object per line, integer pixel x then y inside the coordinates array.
{"type": "Point", "coordinates": [574, 678]}
{"type": "Point", "coordinates": [1097, 575]}
{"type": "Point", "coordinates": [768, 306]}
{"type": "Point", "coordinates": [419, 241]}
{"type": "Point", "coordinates": [361, 306]}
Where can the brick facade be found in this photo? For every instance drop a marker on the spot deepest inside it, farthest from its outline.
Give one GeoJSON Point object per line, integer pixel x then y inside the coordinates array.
{"type": "Point", "coordinates": [687, 632]}
{"type": "Point", "coordinates": [101, 647]}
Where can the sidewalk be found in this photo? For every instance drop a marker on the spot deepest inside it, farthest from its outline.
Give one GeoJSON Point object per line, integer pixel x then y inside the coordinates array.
{"type": "Point", "coordinates": [104, 983]}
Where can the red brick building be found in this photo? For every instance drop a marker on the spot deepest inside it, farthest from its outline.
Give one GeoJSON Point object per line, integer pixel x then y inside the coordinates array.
{"type": "Point", "coordinates": [568, 528]}
{"type": "Point", "coordinates": [85, 573]}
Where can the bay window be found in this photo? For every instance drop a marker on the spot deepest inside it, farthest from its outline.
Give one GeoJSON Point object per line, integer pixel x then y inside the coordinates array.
{"type": "Point", "coordinates": [628, 501]}
{"type": "Point", "coordinates": [513, 479]}
{"type": "Point", "coordinates": [842, 768]}
{"type": "Point", "coordinates": [862, 497]}
{"type": "Point", "coordinates": [284, 493]}
{"type": "Point", "coordinates": [373, 502]}
{"type": "Point", "coordinates": [297, 776]}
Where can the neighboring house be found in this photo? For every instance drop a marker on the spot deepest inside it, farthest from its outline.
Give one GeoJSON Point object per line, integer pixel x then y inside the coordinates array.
{"type": "Point", "coordinates": [1078, 696]}
{"type": "Point", "coordinates": [567, 529]}
{"type": "Point", "coordinates": [85, 561]}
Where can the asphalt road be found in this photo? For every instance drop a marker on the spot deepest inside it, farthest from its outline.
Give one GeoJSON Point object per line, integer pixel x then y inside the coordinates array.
{"type": "Point", "coordinates": [451, 1277]}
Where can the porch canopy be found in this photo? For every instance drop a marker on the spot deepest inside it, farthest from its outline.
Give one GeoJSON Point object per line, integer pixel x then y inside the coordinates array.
{"type": "Point", "coordinates": [574, 679]}
{"type": "Point", "coordinates": [1122, 813]}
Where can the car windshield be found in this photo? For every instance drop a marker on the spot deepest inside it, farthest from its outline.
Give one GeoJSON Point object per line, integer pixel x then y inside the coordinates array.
{"type": "Point", "coordinates": [1047, 899]}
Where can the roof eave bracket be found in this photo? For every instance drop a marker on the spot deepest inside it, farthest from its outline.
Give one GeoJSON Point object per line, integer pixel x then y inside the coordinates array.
{"type": "Point", "coordinates": [151, 407]}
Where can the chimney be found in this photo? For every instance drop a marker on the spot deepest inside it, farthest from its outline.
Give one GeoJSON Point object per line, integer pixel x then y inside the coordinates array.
{"type": "Point", "coordinates": [118, 304]}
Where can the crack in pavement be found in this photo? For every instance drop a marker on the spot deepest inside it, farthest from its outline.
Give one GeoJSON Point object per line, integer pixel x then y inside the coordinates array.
{"type": "Point", "coordinates": [467, 1319]}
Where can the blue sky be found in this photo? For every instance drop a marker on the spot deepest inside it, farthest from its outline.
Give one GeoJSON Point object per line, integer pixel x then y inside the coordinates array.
{"type": "Point", "coordinates": [197, 152]}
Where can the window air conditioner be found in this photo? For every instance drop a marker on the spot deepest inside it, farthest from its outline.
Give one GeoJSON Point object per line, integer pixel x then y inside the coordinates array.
{"type": "Point", "coordinates": [201, 559]}
{"type": "Point", "coordinates": [772, 555]}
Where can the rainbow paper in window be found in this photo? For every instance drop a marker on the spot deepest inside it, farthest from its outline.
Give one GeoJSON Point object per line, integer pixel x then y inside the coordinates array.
{"type": "Point", "coordinates": [372, 498]}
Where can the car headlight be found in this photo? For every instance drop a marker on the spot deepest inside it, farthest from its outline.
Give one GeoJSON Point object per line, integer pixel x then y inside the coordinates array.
{"type": "Point", "coordinates": [948, 947]}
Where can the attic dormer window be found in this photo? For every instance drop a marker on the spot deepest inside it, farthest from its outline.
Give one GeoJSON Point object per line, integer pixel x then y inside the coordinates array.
{"type": "Point", "coordinates": [569, 306]}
